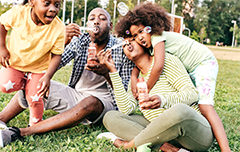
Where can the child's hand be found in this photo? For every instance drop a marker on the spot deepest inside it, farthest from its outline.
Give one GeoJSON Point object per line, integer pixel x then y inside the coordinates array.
{"type": "Point", "coordinates": [43, 84]}
{"type": "Point", "coordinates": [4, 57]}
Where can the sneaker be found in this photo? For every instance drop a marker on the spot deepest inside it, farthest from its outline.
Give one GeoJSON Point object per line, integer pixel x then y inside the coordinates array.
{"type": "Point", "coordinates": [3, 125]}
{"type": "Point", "coordinates": [22, 99]}
{"type": "Point", "coordinates": [9, 135]}
{"type": "Point", "coordinates": [108, 135]}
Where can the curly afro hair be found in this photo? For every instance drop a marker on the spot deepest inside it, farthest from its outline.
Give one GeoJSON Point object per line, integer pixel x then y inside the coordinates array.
{"type": "Point", "coordinates": [147, 14]}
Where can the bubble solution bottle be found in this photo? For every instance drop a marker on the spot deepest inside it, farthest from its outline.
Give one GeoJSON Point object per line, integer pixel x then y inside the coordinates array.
{"type": "Point", "coordinates": [91, 53]}
{"type": "Point", "coordinates": [142, 90]}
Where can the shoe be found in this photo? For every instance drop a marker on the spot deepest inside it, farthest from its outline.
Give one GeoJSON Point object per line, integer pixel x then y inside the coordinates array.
{"type": "Point", "coordinates": [3, 125]}
{"type": "Point", "coordinates": [22, 101]}
{"type": "Point", "coordinates": [108, 135]}
{"type": "Point", "coordinates": [9, 135]}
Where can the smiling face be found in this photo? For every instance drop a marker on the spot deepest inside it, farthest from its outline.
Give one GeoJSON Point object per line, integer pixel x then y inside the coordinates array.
{"type": "Point", "coordinates": [101, 20]}
{"type": "Point", "coordinates": [44, 11]}
{"type": "Point", "coordinates": [140, 36]}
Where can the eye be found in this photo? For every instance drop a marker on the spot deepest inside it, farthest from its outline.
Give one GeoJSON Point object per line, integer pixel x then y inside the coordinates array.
{"type": "Point", "coordinates": [102, 17]}
{"type": "Point", "coordinates": [135, 35]}
{"type": "Point", "coordinates": [91, 18]}
{"type": "Point", "coordinates": [46, 2]}
{"type": "Point", "coordinates": [57, 5]}
{"type": "Point", "coordinates": [140, 31]}
{"type": "Point", "coordinates": [132, 39]}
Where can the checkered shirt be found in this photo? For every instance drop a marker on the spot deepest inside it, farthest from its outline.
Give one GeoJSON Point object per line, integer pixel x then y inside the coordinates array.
{"type": "Point", "coordinates": [78, 50]}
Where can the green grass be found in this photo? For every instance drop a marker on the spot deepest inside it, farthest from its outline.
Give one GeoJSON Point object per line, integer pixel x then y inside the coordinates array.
{"type": "Point", "coordinates": [83, 138]}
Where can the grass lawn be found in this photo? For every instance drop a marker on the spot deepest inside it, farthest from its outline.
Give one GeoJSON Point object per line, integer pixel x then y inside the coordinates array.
{"type": "Point", "coordinates": [83, 138]}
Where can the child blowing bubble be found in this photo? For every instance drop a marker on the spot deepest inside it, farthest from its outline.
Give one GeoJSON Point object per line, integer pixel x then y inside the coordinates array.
{"type": "Point", "coordinates": [33, 52]}
{"type": "Point", "coordinates": [150, 26]}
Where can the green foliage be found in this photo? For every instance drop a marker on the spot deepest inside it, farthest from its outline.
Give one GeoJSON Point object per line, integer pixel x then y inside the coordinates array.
{"type": "Point", "coordinates": [194, 36]}
{"type": "Point", "coordinates": [202, 34]}
{"type": "Point", "coordinates": [79, 6]}
{"type": "Point", "coordinates": [4, 7]}
{"type": "Point", "coordinates": [236, 32]}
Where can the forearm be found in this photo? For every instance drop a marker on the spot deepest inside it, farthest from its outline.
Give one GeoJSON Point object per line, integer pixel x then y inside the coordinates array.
{"type": "Point", "coordinates": [125, 101]}
{"type": "Point", "coordinates": [3, 34]}
{"type": "Point", "coordinates": [53, 66]}
{"type": "Point", "coordinates": [211, 115]}
{"type": "Point", "coordinates": [154, 76]}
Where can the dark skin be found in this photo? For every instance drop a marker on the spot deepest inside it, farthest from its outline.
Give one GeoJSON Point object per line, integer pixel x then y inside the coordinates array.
{"type": "Point", "coordinates": [90, 107]}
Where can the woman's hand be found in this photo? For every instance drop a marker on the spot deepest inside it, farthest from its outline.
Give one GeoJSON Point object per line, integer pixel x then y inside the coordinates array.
{"type": "Point", "coordinates": [72, 30]}
{"type": "Point", "coordinates": [105, 58]}
{"type": "Point", "coordinates": [152, 102]}
{"type": "Point", "coordinates": [4, 57]}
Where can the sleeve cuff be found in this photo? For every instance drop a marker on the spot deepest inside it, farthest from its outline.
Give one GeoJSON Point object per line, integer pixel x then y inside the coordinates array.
{"type": "Point", "coordinates": [163, 101]}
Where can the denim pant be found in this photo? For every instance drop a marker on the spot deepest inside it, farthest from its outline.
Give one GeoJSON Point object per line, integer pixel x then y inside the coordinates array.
{"type": "Point", "coordinates": [180, 123]}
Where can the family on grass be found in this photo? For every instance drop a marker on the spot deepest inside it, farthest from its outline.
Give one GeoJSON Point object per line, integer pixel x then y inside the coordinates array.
{"type": "Point", "coordinates": [180, 74]}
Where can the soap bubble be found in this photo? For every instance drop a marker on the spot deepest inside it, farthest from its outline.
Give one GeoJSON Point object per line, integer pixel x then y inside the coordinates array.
{"type": "Point", "coordinates": [147, 29]}
{"type": "Point", "coordinates": [122, 8]}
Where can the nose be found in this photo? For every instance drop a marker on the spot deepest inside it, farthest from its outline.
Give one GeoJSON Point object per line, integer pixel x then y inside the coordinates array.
{"type": "Point", "coordinates": [52, 8]}
{"type": "Point", "coordinates": [96, 21]}
{"type": "Point", "coordinates": [140, 37]}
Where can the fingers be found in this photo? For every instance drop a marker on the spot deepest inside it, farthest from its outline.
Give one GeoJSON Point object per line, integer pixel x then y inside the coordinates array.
{"type": "Point", "coordinates": [5, 62]}
{"type": "Point", "coordinates": [43, 90]}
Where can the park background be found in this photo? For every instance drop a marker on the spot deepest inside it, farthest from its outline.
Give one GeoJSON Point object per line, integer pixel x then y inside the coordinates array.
{"type": "Point", "coordinates": [209, 21]}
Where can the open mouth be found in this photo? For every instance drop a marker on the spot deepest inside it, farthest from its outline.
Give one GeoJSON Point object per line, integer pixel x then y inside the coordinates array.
{"type": "Point", "coordinates": [96, 30]}
{"type": "Point", "coordinates": [130, 48]}
{"type": "Point", "coordinates": [143, 43]}
{"type": "Point", "coordinates": [50, 18]}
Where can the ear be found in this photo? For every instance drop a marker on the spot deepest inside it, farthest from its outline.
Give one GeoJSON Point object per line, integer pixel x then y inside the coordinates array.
{"type": "Point", "coordinates": [111, 25]}
{"type": "Point", "coordinates": [31, 2]}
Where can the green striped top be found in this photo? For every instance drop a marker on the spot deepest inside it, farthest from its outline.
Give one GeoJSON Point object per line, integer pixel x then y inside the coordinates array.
{"type": "Point", "coordinates": [173, 86]}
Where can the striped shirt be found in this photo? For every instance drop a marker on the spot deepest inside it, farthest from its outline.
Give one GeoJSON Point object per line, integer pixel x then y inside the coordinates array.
{"type": "Point", "coordinates": [173, 86]}
{"type": "Point", "coordinates": [78, 50]}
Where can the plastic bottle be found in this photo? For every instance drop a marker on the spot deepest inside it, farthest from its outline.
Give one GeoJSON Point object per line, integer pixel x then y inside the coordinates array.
{"type": "Point", "coordinates": [142, 90]}
{"type": "Point", "coordinates": [91, 53]}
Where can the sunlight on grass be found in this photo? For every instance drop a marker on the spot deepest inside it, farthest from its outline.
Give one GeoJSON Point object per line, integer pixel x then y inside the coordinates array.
{"type": "Point", "coordinates": [83, 138]}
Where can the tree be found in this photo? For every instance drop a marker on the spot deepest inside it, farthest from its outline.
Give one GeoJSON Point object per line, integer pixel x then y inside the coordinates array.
{"type": "Point", "coordinates": [79, 6]}
{"type": "Point", "coordinates": [236, 32]}
{"type": "Point", "coordinates": [202, 34]}
{"type": "Point", "coordinates": [194, 36]}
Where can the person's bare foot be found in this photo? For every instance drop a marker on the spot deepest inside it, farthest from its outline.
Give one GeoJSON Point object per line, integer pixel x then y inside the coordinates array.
{"type": "Point", "coordinates": [124, 144]}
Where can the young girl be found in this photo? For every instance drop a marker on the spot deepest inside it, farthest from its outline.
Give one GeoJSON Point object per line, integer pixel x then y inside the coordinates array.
{"type": "Point", "coordinates": [33, 52]}
{"type": "Point", "coordinates": [149, 25]}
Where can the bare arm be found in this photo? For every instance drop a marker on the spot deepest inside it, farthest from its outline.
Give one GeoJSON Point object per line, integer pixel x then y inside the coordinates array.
{"type": "Point", "coordinates": [134, 76]}
{"type": "Point", "coordinates": [159, 56]}
{"type": "Point", "coordinates": [211, 115]}
{"type": "Point", "coordinates": [44, 82]}
{"type": "Point", "coordinates": [4, 53]}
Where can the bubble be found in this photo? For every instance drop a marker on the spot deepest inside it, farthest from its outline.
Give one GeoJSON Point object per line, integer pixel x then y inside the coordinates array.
{"type": "Point", "coordinates": [122, 8]}
{"type": "Point", "coordinates": [147, 29]}
{"type": "Point", "coordinates": [127, 32]}
{"type": "Point", "coordinates": [90, 24]}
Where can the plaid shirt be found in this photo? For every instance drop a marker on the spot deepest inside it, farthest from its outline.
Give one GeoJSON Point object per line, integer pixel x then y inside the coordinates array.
{"type": "Point", "coordinates": [78, 50]}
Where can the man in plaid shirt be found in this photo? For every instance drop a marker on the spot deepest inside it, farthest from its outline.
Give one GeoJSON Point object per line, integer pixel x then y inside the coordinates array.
{"type": "Point", "coordinates": [89, 94]}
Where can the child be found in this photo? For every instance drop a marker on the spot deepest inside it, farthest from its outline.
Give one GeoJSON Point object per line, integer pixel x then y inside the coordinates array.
{"type": "Point", "coordinates": [34, 50]}
{"type": "Point", "coordinates": [197, 58]}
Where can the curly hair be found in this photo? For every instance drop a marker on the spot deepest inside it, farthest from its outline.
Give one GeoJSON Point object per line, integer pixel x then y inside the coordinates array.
{"type": "Point", "coordinates": [147, 14]}
{"type": "Point", "coordinates": [25, 2]}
